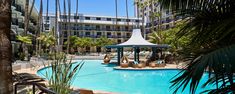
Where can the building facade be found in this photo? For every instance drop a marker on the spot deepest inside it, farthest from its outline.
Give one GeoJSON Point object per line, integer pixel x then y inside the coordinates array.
{"type": "Point", "coordinates": [93, 26]}
{"type": "Point", "coordinates": [154, 15]}
{"type": "Point", "coordinates": [17, 23]}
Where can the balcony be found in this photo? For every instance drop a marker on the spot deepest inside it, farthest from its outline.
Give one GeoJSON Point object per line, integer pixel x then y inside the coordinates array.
{"type": "Point", "coordinates": [21, 25]}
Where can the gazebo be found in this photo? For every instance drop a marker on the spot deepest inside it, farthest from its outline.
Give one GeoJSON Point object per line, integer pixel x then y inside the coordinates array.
{"type": "Point", "coordinates": [136, 41]}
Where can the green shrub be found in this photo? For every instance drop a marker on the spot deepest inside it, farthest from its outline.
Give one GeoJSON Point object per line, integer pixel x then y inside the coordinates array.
{"type": "Point", "coordinates": [62, 73]}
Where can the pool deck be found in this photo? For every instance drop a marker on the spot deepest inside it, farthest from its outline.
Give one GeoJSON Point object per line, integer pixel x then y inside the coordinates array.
{"type": "Point", "coordinates": [33, 66]}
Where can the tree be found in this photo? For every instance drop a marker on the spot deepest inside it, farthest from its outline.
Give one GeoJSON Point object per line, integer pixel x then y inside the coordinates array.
{"type": "Point", "coordinates": [84, 42]}
{"type": "Point", "coordinates": [48, 40]}
{"type": "Point", "coordinates": [73, 43]}
{"type": "Point", "coordinates": [143, 5]}
{"type": "Point", "coordinates": [25, 39]}
{"type": "Point", "coordinates": [69, 26]}
{"type": "Point", "coordinates": [6, 85]}
{"type": "Point", "coordinates": [103, 41]}
{"type": "Point", "coordinates": [127, 15]}
{"type": "Point", "coordinates": [212, 46]}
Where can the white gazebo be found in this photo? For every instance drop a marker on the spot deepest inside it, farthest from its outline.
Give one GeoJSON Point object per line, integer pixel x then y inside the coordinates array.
{"type": "Point", "coordinates": [136, 41]}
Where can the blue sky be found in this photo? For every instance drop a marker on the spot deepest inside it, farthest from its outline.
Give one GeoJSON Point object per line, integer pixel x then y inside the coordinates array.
{"type": "Point", "coordinates": [94, 7]}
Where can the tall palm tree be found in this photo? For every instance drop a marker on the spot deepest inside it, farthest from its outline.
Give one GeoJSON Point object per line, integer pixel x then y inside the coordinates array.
{"type": "Point", "coordinates": [69, 25]}
{"type": "Point", "coordinates": [56, 26]}
{"type": "Point", "coordinates": [138, 14]}
{"type": "Point", "coordinates": [212, 48]}
{"type": "Point", "coordinates": [64, 25]}
{"type": "Point", "coordinates": [142, 5]}
{"type": "Point", "coordinates": [127, 15]}
{"type": "Point", "coordinates": [39, 25]}
{"type": "Point", "coordinates": [6, 85]}
{"type": "Point", "coordinates": [116, 12]}
{"type": "Point", "coordinates": [25, 48]}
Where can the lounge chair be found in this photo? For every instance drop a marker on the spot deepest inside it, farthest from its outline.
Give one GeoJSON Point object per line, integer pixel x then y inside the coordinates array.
{"type": "Point", "coordinates": [152, 64]}
{"type": "Point", "coordinates": [85, 91]}
{"type": "Point", "coordinates": [26, 79]}
{"type": "Point", "coordinates": [106, 59]}
{"type": "Point", "coordinates": [124, 62]}
{"type": "Point", "coordinates": [160, 63]}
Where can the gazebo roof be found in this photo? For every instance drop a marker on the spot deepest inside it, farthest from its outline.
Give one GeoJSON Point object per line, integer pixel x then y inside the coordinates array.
{"type": "Point", "coordinates": [137, 40]}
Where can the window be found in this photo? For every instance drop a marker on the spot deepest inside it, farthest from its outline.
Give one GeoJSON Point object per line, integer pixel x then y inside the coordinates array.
{"type": "Point", "coordinates": [76, 17]}
{"type": "Point", "coordinates": [98, 18]}
{"type": "Point", "coordinates": [47, 26]}
{"type": "Point", "coordinates": [126, 28]}
{"type": "Point", "coordinates": [109, 34]}
{"type": "Point", "coordinates": [108, 28]}
{"type": "Point", "coordinates": [119, 34]}
{"type": "Point", "coordinates": [119, 20]}
{"type": "Point", "coordinates": [87, 18]}
{"type": "Point", "coordinates": [119, 41]}
{"type": "Point", "coordinates": [97, 27]}
{"type": "Point", "coordinates": [98, 33]}
{"type": "Point", "coordinates": [118, 28]}
{"type": "Point", "coordinates": [108, 19]}
{"type": "Point", "coordinates": [87, 33]}
{"type": "Point", "coordinates": [128, 34]}
{"type": "Point", "coordinates": [137, 20]}
{"type": "Point", "coordinates": [63, 16]}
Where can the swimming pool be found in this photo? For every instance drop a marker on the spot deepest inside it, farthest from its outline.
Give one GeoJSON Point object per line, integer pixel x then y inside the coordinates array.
{"type": "Point", "coordinates": [97, 76]}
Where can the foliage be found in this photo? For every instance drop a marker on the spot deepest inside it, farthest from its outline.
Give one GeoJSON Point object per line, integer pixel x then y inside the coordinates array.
{"type": "Point", "coordinates": [73, 41]}
{"type": "Point", "coordinates": [85, 42]}
{"type": "Point", "coordinates": [61, 73]}
{"type": "Point", "coordinates": [212, 29]}
{"type": "Point", "coordinates": [170, 37]}
{"type": "Point", "coordinates": [24, 39]}
{"type": "Point", "coordinates": [47, 39]}
{"type": "Point", "coordinates": [103, 41]}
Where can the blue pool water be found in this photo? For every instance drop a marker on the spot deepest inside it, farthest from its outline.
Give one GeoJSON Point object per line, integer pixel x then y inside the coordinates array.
{"type": "Point", "coordinates": [96, 76]}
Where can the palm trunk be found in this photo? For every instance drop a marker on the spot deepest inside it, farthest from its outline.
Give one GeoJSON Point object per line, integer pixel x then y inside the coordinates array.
{"type": "Point", "coordinates": [127, 15]}
{"type": "Point", "coordinates": [143, 20]}
{"type": "Point", "coordinates": [56, 27]}
{"type": "Point", "coordinates": [6, 85]}
{"type": "Point", "coordinates": [152, 17]}
{"type": "Point", "coordinates": [64, 25]}
{"type": "Point", "coordinates": [69, 13]}
{"type": "Point", "coordinates": [138, 14]}
{"type": "Point", "coordinates": [25, 48]}
{"type": "Point", "coordinates": [116, 10]}
{"type": "Point", "coordinates": [39, 27]}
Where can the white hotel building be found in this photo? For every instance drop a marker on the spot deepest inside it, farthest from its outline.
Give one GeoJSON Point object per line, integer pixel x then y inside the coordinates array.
{"type": "Point", "coordinates": [93, 26]}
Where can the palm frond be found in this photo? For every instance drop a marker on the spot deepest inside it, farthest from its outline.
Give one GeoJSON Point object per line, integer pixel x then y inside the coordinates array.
{"type": "Point", "coordinates": [216, 62]}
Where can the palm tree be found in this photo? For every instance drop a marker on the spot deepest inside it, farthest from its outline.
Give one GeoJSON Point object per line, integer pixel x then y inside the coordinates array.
{"type": "Point", "coordinates": [127, 15]}
{"type": "Point", "coordinates": [138, 14]}
{"type": "Point", "coordinates": [142, 5]}
{"type": "Point", "coordinates": [6, 85]}
{"type": "Point", "coordinates": [102, 42]}
{"type": "Point", "coordinates": [39, 25]}
{"type": "Point", "coordinates": [84, 42]}
{"type": "Point", "coordinates": [69, 26]}
{"type": "Point", "coordinates": [56, 26]}
{"type": "Point", "coordinates": [212, 48]}
{"type": "Point", "coordinates": [73, 43]}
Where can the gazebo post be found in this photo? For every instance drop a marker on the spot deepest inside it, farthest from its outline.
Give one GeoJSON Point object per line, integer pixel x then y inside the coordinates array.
{"type": "Point", "coordinates": [134, 53]}
{"type": "Point", "coordinates": [121, 52]}
{"type": "Point", "coordinates": [138, 55]}
{"type": "Point", "coordinates": [118, 53]}
{"type": "Point", "coordinates": [154, 52]}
